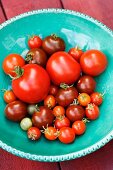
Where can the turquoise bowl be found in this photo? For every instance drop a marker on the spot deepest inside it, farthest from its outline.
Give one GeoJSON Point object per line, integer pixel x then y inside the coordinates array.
{"type": "Point", "coordinates": [76, 29]}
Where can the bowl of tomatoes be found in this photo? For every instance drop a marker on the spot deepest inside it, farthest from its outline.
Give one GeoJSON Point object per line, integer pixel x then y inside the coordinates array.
{"type": "Point", "coordinates": [56, 85]}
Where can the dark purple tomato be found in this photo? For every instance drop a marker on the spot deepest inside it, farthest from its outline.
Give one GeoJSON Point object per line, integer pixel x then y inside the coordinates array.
{"type": "Point", "coordinates": [16, 110]}
{"type": "Point", "coordinates": [75, 112]}
{"type": "Point", "coordinates": [36, 56]}
{"type": "Point", "coordinates": [52, 44]}
{"type": "Point", "coordinates": [43, 117]}
{"type": "Point", "coordinates": [86, 84]}
{"type": "Point", "coordinates": [66, 96]}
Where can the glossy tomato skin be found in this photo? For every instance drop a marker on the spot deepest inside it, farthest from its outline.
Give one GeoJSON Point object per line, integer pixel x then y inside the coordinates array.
{"type": "Point", "coordinates": [53, 90]}
{"type": "Point", "coordinates": [92, 111]}
{"type": "Point", "coordinates": [16, 110]}
{"type": "Point", "coordinates": [35, 42]}
{"type": "Point", "coordinates": [33, 85]}
{"type": "Point", "coordinates": [61, 122]}
{"type": "Point", "coordinates": [62, 68]}
{"type": "Point", "coordinates": [50, 101]}
{"type": "Point", "coordinates": [52, 44]}
{"type": "Point", "coordinates": [50, 133]}
{"type": "Point", "coordinates": [58, 111]}
{"type": "Point", "coordinates": [36, 56]}
{"type": "Point", "coordinates": [43, 117]}
{"type": "Point", "coordinates": [79, 127]}
{"type": "Point", "coordinates": [67, 135]}
{"type": "Point", "coordinates": [93, 62]}
{"type": "Point", "coordinates": [9, 96]}
{"type": "Point", "coordinates": [76, 53]}
{"type": "Point", "coordinates": [86, 84]}
{"type": "Point", "coordinates": [10, 62]}
{"type": "Point", "coordinates": [75, 112]}
{"type": "Point", "coordinates": [65, 97]}
{"type": "Point", "coordinates": [96, 98]}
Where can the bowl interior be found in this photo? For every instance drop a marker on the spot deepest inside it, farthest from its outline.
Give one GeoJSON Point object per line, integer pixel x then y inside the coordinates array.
{"type": "Point", "coordinates": [75, 30]}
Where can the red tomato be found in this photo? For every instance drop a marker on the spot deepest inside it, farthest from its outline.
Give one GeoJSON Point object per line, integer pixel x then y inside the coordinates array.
{"type": "Point", "coordinates": [43, 117]}
{"type": "Point", "coordinates": [76, 53]}
{"type": "Point", "coordinates": [58, 111]}
{"type": "Point", "coordinates": [50, 133]}
{"type": "Point", "coordinates": [9, 96]}
{"type": "Point", "coordinates": [62, 68]}
{"type": "Point", "coordinates": [66, 96]}
{"type": "Point", "coordinates": [33, 133]}
{"type": "Point", "coordinates": [53, 90]}
{"type": "Point", "coordinates": [75, 112]}
{"type": "Point", "coordinates": [35, 42]}
{"type": "Point", "coordinates": [33, 84]}
{"type": "Point", "coordinates": [96, 98]}
{"type": "Point", "coordinates": [16, 110]}
{"type": "Point", "coordinates": [67, 135]}
{"type": "Point", "coordinates": [93, 62]}
{"type": "Point", "coordinates": [61, 122]}
{"type": "Point", "coordinates": [79, 127]}
{"type": "Point", "coordinates": [50, 101]}
{"type": "Point", "coordinates": [10, 62]}
{"type": "Point", "coordinates": [92, 111]}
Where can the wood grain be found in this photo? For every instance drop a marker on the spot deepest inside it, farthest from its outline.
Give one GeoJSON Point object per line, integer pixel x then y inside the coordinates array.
{"type": "Point", "coordinates": [13, 7]}
{"type": "Point", "coordinates": [101, 10]}
{"type": "Point", "coordinates": [11, 162]}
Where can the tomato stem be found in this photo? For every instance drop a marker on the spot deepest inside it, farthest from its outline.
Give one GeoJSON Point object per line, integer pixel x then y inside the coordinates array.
{"type": "Point", "coordinates": [85, 120]}
{"type": "Point", "coordinates": [75, 102]}
{"type": "Point", "coordinates": [29, 56]}
{"type": "Point", "coordinates": [3, 90]}
{"type": "Point", "coordinates": [65, 86]}
{"type": "Point", "coordinates": [54, 36]}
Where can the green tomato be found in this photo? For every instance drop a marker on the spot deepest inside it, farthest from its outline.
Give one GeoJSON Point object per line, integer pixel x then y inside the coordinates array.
{"type": "Point", "coordinates": [25, 123]}
{"type": "Point", "coordinates": [31, 109]}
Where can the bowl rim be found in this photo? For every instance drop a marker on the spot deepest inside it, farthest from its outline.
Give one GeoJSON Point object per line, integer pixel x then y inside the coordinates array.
{"type": "Point", "coordinates": [73, 155]}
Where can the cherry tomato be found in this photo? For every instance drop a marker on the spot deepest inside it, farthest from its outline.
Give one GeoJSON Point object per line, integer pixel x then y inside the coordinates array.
{"type": "Point", "coordinates": [93, 62]}
{"type": "Point", "coordinates": [84, 99]}
{"type": "Point", "coordinates": [35, 42]}
{"type": "Point", "coordinates": [36, 56]}
{"type": "Point", "coordinates": [67, 135]}
{"type": "Point", "coordinates": [53, 90]}
{"type": "Point", "coordinates": [9, 96]}
{"type": "Point", "coordinates": [76, 53]}
{"type": "Point", "coordinates": [50, 101]}
{"type": "Point", "coordinates": [61, 121]}
{"type": "Point", "coordinates": [92, 111]}
{"type": "Point", "coordinates": [53, 43]}
{"type": "Point", "coordinates": [32, 108]}
{"type": "Point", "coordinates": [66, 96]}
{"type": "Point", "coordinates": [43, 117]}
{"type": "Point", "coordinates": [32, 85]}
{"type": "Point", "coordinates": [10, 62]}
{"type": "Point", "coordinates": [25, 123]}
{"type": "Point", "coordinates": [16, 110]}
{"type": "Point", "coordinates": [79, 127]}
{"type": "Point", "coordinates": [86, 84]}
{"type": "Point", "coordinates": [58, 111]}
{"type": "Point", "coordinates": [50, 133]}
{"type": "Point", "coordinates": [33, 133]}
{"type": "Point", "coordinates": [96, 98]}
{"type": "Point", "coordinates": [75, 112]}
{"type": "Point", "coordinates": [61, 68]}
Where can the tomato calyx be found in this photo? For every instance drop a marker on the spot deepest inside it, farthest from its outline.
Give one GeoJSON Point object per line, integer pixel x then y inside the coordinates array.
{"type": "Point", "coordinates": [19, 72]}
{"type": "Point", "coordinates": [65, 86]}
{"type": "Point", "coordinates": [32, 136]}
{"type": "Point", "coordinates": [61, 117]}
{"type": "Point", "coordinates": [90, 106]}
{"type": "Point", "coordinates": [85, 120]}
{"type": "Point", "coordinates": [54, 36]}
{"type": "Point", "coordinates": [29, 56]}
{"type": "Point", "coordinates": [4, 90]}
{"type": "Point", "coordinates": [47, 131]}
{"type": "Point", "coordinates": [75, 102]}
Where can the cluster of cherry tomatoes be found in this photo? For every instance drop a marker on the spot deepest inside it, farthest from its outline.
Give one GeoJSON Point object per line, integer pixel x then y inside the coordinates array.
{"type": "Point", "coordinates": [53, 91]}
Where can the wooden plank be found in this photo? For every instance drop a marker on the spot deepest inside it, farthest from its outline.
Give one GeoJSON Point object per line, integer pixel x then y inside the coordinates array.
{"type": "Point", "coordinates": [102, 10]}
{"type": "Point", "coordinates": [11, 162]}
{"type": "Point", "coordinates": [13, 7]}
{"type": "Point", "coordinates": [99, 160]}
{"type": "Point", "coordinates": [2, 17]}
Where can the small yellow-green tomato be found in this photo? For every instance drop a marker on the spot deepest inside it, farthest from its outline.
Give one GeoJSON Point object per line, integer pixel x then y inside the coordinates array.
{"type": "Point", "coordinates": [26, 123]}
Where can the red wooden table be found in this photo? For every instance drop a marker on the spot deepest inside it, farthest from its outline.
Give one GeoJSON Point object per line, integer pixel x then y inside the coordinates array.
{"type": "Point", "coordinates": [99, 9]}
